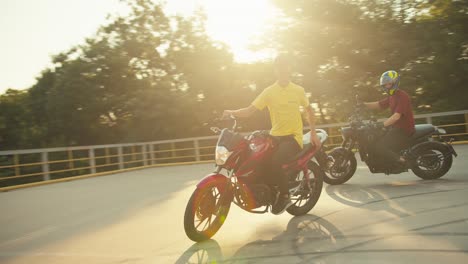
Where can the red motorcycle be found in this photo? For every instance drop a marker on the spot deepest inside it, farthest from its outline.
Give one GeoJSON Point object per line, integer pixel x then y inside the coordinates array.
{"type": "Point", "coordinates": [245, 161]}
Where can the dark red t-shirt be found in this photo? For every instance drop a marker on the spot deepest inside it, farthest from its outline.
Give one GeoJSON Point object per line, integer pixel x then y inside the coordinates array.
{"type": "Point", "coordinates": [400, 102]}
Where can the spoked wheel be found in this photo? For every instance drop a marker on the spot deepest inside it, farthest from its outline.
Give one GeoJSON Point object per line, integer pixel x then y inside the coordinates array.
{"type": "Point", "coordinates": [206, 212]}
{"type": "Point", "coordinates": [342, 168]}
{"type": "Point", "coordinates": [432, 161]}
{"type": "Point", "coordinates": [305, 197]}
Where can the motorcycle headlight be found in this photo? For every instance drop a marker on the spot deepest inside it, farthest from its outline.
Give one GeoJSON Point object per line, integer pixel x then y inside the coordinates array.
{"type": "Point", "coordinates": [254, 147]}
{"type": "Point", "coordinates": [222, 154]}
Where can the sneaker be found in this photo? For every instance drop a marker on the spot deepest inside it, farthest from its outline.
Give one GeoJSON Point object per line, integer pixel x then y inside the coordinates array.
{"type": "Point", "coordinates": [281, 205]}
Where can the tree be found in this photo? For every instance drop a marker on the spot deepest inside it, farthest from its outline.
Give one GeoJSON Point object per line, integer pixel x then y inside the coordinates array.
{"type": "Point", "coordinates": [17, 127]}
{"type": "Point", "coordinates": [344, 46]}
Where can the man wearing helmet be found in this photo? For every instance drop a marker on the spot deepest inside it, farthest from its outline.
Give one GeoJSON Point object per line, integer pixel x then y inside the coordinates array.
{"type": "Point", "coordinates": [283, 100]}
{"type": "Point", "coordinates": [400, 123]}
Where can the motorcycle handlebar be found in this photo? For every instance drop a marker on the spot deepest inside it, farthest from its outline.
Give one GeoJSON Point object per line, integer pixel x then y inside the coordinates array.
{"type": "Point", "coordinates": [216, 130]}
{"type": "Point", "coordinates": [220, 119]}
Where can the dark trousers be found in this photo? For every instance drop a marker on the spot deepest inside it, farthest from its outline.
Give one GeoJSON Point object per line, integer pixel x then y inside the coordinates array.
{"type": "Point", "coordinates": [389, 146]}
{"type": "Point", "coordinates": [287, 148]}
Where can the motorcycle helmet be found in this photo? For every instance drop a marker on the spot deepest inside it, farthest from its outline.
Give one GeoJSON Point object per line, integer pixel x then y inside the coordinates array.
{"type": "Point", "coordinates": [390, 77]}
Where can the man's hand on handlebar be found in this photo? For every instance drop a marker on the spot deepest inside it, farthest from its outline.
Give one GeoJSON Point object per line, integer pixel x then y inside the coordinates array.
{"type": "Point", "coordinates": [228, 114]}
{"type": "Point", "coordinates": [380, 126]}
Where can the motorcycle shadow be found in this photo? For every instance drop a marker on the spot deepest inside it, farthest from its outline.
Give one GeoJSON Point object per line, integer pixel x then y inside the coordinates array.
{"type": "Point", "coordinates": [389, 197]}
{"type": "Point", "coordinates": [203, 252]}
{"type": "Point", "coordinates": [306, 239]}
{"type": "Point", "coordinates": [370, 198]}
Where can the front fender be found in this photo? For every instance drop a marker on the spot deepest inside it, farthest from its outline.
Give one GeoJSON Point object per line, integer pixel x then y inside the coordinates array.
{"type": "Point", "coordinates": [345, 152]}
{"type": "Point", "coordinates": [213, 178]}
{"type": "Point", "coordinates": [342, 151]}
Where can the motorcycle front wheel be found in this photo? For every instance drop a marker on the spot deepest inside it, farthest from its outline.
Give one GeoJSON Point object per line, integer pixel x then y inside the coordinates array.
{"type": "Point", "coordinates": [206, 212]}
{"type": "Point", "coordinates": [343, 167]}
{"type": "Point", "coordinates": [306, 197]}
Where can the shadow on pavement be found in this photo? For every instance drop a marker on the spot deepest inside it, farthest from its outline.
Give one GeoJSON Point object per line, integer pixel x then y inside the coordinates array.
{"type": "Point", "coordinates": [391, 197]}
{"type": "Point", "coordinates": [305, 238]}
{"type": "Point", "coordinates": [408, 208]}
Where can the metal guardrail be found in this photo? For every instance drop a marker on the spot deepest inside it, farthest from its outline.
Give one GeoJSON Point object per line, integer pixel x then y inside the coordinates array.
{"type": "Point", "coordinates": [26, 166]}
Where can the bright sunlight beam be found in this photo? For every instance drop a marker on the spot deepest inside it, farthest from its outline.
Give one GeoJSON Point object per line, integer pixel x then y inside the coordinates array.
{"type": "Point", "coordinates": [238, 23]}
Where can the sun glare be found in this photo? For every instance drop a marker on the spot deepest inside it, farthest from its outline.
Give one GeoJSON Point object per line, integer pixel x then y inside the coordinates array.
{"type": "Point", "coordinates": [237, 23]}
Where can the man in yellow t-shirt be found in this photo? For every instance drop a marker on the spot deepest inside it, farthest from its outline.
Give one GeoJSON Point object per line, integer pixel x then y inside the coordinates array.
{"type": "Point", "coordinates": [284, 100]}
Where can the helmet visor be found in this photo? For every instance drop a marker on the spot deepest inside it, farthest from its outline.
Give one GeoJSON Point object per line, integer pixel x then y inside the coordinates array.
{"type": "Point", "coordinates": [385, 80]}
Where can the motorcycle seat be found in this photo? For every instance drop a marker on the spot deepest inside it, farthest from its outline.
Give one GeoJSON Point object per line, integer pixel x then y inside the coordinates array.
{"type": "Point", "coordinates": [423, 130]}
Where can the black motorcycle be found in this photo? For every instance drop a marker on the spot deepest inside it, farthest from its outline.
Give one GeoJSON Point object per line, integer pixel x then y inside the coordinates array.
{"type": "Point", "coordinates": [428, 155]}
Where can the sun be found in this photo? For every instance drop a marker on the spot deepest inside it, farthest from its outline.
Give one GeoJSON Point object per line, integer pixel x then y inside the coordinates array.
{"type": "Point", "coordinates": [237, 23]}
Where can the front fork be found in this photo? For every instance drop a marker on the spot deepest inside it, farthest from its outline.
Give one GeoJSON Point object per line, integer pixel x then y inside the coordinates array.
{"type": "Point", "coordinates": [322, 158]}
{"type": "Point", "coordinates": [349, 145]}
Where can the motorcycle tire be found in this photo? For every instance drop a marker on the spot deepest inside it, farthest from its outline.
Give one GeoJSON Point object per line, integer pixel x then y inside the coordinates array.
{"type": "Point", "coordinates": [338, 154]}
{"type": "Point", "coordinates": [202, 201]}
{"type": "Point", "coordinates": [317, 184]}
{"type": "Point", "coordinates": [432, 148]}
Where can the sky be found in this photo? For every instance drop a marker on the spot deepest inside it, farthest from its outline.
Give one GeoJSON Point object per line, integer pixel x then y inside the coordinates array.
{"type": "Point", "coordinates": [32, 31]}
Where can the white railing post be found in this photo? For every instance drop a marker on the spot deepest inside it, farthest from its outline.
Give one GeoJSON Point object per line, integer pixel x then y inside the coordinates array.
{"type": "Point", "coordinates": [466, 121]}
{"type": "Point", "coordinates": [145, 159]}
{"type": "Point", "coordinates": [151, 148]}
{"type": "Point", "coordinates": [121, 165]}
{"type": "Point", "coordinates": [92, 161]}
{"type": "Point", "coordinates": [196, 145]}
{"type": "Point", "coordinates": [45, 166]}
{"type": "Point", "coordinates": [429, 120]}
{"type": "Point", "coordinates": [16, 162]}
{"type": "Point", "coordinates": [173, 152]}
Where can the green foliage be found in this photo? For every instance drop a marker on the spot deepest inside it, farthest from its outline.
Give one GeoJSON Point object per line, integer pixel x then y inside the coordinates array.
{"type": "Point", "coordinates": [344, 46]}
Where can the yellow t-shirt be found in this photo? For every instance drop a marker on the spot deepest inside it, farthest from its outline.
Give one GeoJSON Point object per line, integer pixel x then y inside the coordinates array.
{"type": "Point", "coordinates": [284, 105]}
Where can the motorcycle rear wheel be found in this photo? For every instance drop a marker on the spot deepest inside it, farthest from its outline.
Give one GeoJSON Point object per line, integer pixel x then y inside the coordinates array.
{"type": "Point", "coordinates": [206, 212]}
{"type": "Point", "coordinates": [432, 161]}
{"type": "Point", "coordinates": [304, 202]}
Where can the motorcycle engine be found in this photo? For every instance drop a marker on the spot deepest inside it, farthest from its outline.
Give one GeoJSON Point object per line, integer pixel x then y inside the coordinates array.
{"type": "Point", "coordinates": [256, 195]}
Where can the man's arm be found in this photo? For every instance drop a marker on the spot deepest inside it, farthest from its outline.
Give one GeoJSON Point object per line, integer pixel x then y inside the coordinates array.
{"type": "Point", "coordinates": [373, 105]}
{"type": "Point", "coordinates": [392, 120]}
{"type": "Point", "coordinates": [311, 119]}
{"type": "Point", "coordinates": [403, 106]}
{"type": "Point", "coordinates": [243, 112]}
